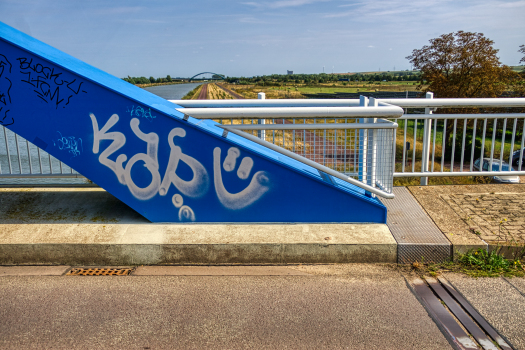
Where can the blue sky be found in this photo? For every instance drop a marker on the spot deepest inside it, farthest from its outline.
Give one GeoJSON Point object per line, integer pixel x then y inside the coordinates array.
{"type": "Point", "coordinates": [245, 38]}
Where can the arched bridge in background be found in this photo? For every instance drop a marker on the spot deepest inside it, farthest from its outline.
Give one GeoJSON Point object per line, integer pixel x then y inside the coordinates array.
{"type": "Point", "coordinates": [222, 77]}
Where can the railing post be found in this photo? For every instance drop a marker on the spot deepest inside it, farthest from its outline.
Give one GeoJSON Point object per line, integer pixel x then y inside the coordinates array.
{"type": "Point", "coordinates": [372, 148]}
{"type": "Point", "coordinates": [427, 130]}
{"type": "Point", "coordinates": [363, 146]}
{"type": "Point", "coordinates": [261, 133]}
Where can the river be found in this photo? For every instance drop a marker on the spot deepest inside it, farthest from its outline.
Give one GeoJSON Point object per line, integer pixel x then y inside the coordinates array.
{"type": "Point", "coordinates": [172, 92]}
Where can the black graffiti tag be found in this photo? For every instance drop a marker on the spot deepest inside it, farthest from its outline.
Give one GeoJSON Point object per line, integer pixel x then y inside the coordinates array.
{"type": "Point", "coordinates": [5, 88]}
{"type": "Point", "coordinates": [48, 82]}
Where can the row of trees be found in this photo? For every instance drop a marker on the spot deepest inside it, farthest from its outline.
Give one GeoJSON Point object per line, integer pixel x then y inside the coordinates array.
{"type": "Point", "coordinates": [278, 79]}
{"type": "Point", "coordinates": [150, 80]}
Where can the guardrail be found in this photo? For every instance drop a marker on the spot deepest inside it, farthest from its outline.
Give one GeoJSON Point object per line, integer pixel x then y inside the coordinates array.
{"type": "Point", "coordinates": [465, 135]}
{"type": "Point", "coordinates": [430, 148]}
{"type": "Point", "coordinates": [353, 143]}
{"type": "Point", "coordinates": [348, 140]}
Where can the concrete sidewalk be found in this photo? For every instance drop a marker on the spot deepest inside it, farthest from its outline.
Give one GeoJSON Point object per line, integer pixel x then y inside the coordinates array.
{"type": "Point", "coordinates": [476, 216]}
{"type": "Point", "coordinates": [88, 226]}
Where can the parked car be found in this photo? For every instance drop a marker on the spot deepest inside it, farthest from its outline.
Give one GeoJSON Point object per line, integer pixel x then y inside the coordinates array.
{"type": "Point", "coordinates": [497, 166]}
{"type": "Point", "coordinates": [516, 158]}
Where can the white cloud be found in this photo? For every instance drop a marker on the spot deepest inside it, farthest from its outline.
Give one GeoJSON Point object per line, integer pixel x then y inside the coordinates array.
{"type": "Point", "coordinates": [251, 20]}
{"type": "Point", "coordinates": [281, 3]}
{"type": "Point", "coordinates": [520, 3]}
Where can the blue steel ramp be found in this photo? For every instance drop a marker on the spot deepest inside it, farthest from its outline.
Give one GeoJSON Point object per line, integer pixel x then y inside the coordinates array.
{"type": "Point", "coordinates": [136, 146]}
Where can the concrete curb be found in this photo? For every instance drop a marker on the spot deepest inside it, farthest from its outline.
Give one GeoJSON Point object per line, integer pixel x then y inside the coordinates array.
{"type": "Point", "coordinates": [151, 244]}
{"type": "Point", "coordinates": [149, 254]}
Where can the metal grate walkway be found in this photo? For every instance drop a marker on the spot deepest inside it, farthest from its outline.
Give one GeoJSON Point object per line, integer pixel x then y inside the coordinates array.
{"type": "Point", "coordinates": [417, 236]}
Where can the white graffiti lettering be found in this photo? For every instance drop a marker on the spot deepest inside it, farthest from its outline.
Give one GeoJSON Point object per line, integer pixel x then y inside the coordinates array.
{"type": "Point", "coordinates": [196, 187]}
{"type": "Point", "coordinates": [119, 140]}
{"type": "Point", "coordinates": [231, 159]}
{"type": "Point", "coordinates": [245, 168]}
{"type": "Point", "coordinates": [150, 162]}
{"type": "Point", "coordinates": [186, 214]}
{"type": "Point", "coordinates": [257, 187]}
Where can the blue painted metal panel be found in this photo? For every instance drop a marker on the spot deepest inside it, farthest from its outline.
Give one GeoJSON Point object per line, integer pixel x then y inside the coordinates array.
{"type": "Point", "coordinates": [136, 146]}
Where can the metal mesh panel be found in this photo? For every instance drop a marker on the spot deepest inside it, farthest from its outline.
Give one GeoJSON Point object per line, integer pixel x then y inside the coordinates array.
{"type": "Point", "coordinates": [22, 158]}
{"type": "Point", "coordinates": [363, 154]}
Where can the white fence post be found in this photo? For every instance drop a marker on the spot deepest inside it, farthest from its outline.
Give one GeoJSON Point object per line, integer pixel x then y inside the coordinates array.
{"type": "Point", "coordinates": [372, 148]}
{"type": "Point", "coordinates": [363, 145]}
{"type": "Point", "coordinates": [261, 133]}
{"type": "Point", "coordinates": [425, 154]}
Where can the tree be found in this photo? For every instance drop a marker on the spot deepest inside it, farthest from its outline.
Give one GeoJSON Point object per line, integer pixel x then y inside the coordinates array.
{"type": "Point", "coordinates": [168, 78]}
{"type": "Point", "coordinates": [151, 80]}
{"type": "Point", "coordinates": [461, 64]}
{"type": "Point", "coordinates": [522, 50]}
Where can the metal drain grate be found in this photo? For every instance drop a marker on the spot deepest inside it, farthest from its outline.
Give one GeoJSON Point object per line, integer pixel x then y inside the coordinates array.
{"type": "Point", "coordinates": [81, 271]}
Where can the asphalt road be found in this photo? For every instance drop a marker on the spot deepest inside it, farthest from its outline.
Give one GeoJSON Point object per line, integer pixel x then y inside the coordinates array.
{"type": "Point", "coordinates": [311, 307]}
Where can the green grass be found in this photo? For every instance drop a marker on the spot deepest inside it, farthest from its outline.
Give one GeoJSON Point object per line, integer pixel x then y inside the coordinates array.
{"type": "Point", "coordinates": [330, 90]}
{"type": "Point", "coordinates": [480, 263]}
{"type": "Point", "coordinates": [475, 263]}
{"type": "Point", "coordinates": [459, 135]}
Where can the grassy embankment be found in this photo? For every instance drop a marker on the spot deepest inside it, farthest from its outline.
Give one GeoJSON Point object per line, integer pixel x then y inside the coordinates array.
{"type": "Point", "coordinates": [292, 90]}
{"type": "Point", "coordinates": [216, 93]}
{"type": "Point", "coordinates": [159, 84]}
{"type": "Point", "coordinates": [193, 94]}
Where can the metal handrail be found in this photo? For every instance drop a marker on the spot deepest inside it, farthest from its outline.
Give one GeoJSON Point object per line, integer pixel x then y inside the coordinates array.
{"type": "Point", "coordinates": [293, 112]}
{"type": "Point", "coordinates": [454, 102]}
{"type": "Point", "coordinates": [331, 126]}
{"type": "Point", "coordinates": [400, 102]}
{"type": "Point", "coordinates": [266, 103]}
{"type": "Point", "coordinates": [463, 116]}
{"type": "Point", "coordinates": [307, 161]}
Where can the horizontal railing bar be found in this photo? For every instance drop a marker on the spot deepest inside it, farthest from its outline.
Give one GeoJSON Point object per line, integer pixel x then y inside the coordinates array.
{"type": "Point", "coordinates": [42, 176]}
{"type": "Point", "coordinates": [463, 116]}
{"type": "Point", "coordinates": [459, 173]}
{"type": "Point", "coordinates": [293, 112]}
{"type": "Point", "coordinates": [266, 103]}
{"type": "Point", "coordinates": [401, 102]}
{"type": "Point", "coordinates": [310, 163]}
{"type": "Point", "coordinates": [328, 126]}
{"type": "Point", "coordinates": [454, 102]}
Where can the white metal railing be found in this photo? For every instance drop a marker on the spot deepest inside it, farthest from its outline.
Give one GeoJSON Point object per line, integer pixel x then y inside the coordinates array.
{"type": "Point", "coordinates": [353, 142]}
{"type": "Point", "coordinates": [429, 155]}
{"type": "Point", "coordinates": [348, 139]}
{"type": "Point", "coordinates": [466, 133]}
{"type": "Point", "coordinates": [21, 159]}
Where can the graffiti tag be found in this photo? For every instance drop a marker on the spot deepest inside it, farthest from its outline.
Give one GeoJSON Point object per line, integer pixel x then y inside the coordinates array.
{"type": "Point", "coordinates": [48, 83]}
{"type": "Point", "coordinates": [199, 184]}
{"type": "Point", "coordinates": [71, 144]}
{"type": "Point", "coordinates": [137, 111]}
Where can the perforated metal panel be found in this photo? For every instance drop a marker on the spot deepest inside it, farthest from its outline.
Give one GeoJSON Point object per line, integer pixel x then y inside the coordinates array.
{"type": "Point", "coordinates": [417, 236]}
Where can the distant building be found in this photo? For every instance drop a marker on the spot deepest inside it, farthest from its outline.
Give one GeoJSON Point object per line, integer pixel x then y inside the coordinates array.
{"type": "Point", "coordinates": [289, 72]}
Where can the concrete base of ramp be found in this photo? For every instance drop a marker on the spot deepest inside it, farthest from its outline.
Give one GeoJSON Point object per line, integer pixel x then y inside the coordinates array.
{"type": "Point", "coordinates": [88, 226]}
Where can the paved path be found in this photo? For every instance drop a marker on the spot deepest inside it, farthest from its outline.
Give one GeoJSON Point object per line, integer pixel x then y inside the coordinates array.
{"type": "Point", "coordinates": [323, 307]}
{"type": "Point", "coordinates": [501, 301]}
{"type": "Point", "coordinates": [473, 216]}
{"type": "Point", "coordinates": [203, 94]}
